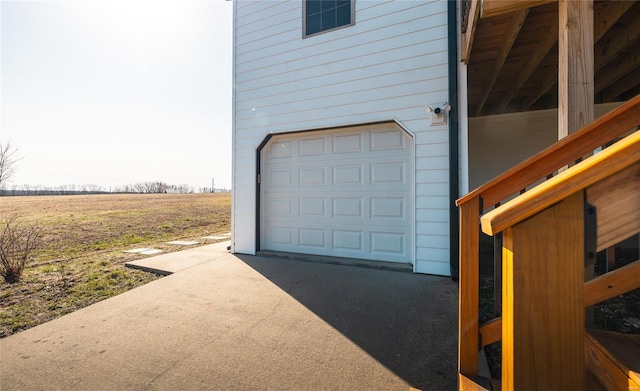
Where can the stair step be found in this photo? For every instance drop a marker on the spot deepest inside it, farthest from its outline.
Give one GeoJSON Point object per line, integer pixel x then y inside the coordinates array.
{"type": "Point", "coordinates": [593, 384]}
{"type": "Point", "coordinates": [591, 381]}
{"type": "Point", "coordinates": [614, 358]}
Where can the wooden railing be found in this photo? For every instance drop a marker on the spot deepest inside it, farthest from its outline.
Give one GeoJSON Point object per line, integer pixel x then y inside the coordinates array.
{"type": "Point", "coordinates": [564, 189]}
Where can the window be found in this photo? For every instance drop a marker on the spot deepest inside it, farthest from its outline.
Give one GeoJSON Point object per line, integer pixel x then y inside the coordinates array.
{"type": "Point", "coordinates": [325, 15]}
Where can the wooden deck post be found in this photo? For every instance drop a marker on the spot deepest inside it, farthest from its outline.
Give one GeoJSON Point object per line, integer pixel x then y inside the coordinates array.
{"type": "Point", "coordinates": [543, 288]}
{"type": "Point", "coordinates": [575, 66]}
{"type": "Point", "coordinates": [469, 287]}
{"type": "Point", "coordinates": [576, 77]}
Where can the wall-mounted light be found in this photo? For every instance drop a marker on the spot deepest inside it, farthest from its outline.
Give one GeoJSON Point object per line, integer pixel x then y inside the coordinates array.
{"type": "Point", "coordinates": [438, 113]}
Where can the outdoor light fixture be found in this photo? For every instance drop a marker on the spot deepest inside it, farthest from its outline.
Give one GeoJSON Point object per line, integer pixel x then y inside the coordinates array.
{"type": "Point", "coordinates": [439, 113]}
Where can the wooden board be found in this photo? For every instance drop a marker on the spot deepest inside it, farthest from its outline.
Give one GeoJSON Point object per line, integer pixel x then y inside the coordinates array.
{"type": "Point", "coordinates": [593, 384]}
{"type": "Point", "coordinates": [467, 36]}
{"type": "Point", "coordinates": [498, 7]}
{"type": "Point", "coordinates": [472, 384]}
{"type": "Point", "coordinates": [617, 202]}
{"type": "Point", "coordinates": [469, 275]}
{"type": "Point", "coordinates": [491, 331]}
{"type": "Point", "coordinates": [612, 284]}
{"type": "Point", "coordinates": [613, 359]}
{"type": "Point", "coordinates": [575, 66]}
{"type": "Point", "coordinates": [543, 316]}
{"type": "Point", "coordinates": [635, 338]}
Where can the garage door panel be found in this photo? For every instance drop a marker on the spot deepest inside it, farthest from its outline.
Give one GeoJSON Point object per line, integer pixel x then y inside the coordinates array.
{"type": "Point", "coordinates": [384, 173]}
{"type": "Point", "coordinates": [280, 177]}
{"type": "Point", "coordinates": [312, 147]}
{"type": "Point", "coordinates": [281, 236]}
{"type": "Point", "coordinates": [388, 208]}
{"type": "Point", "coordinates": [313, 238]}
{"type": "Point", "coordinates": [348, 143]}
{"type": "Point", "coordinates": [348, 174]}
{"type": "Point", "coordinates": [312, 176]}
{"type": "Point", "coordinates": [386, 243]}
{"type": "Point", "coordinates": [346, 240]}
{"type": "Point", "coordinates": [387, 140]}
{"type": "Point", "coordinates": [312, 207]}
{"type": "Point", "coordinates": [349, 207]}
{"type": "Point", "coordinates": [342, 210]}
{"type": "Point", "coordinates": [339, 193]}
{"type": "Point", "coordinates": [280, 207]}
{"type": "Point", "coordinates": [283, 149]}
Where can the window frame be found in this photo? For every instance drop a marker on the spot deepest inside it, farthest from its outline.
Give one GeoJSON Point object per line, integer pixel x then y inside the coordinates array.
{"type": "Point", "coordinates": [304, 20]}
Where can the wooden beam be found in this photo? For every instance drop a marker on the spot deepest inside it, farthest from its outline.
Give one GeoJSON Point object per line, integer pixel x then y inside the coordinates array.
{"type": "Point", "coordinates": [517, 20]}
{"type": "Point", "coordinates": [575, 65]}
{"type": "Point", "coordinates": [609, 16]}
{"type": "Point", "coordinates": [621, 86]}
{"type": "Point", "coordinates": [532, 62]}
{"type": "Point", "coordinates": [543, 288]}
{"type": "Point", "coordinates": [612, 284]}
{"type": "Point", "coordinates": [469, 276]}
{"type": "Point", "coordinates": [491, 331]}
{"type": "Point", "coordinates": [470, 31]}
{"type": "Point", "coordinates": [605, 51]}
{"type": "Point", "coordinates": [614, 73]}
{"type": "Point", "coordinates": [613, 12]}
{"type": "Point", "coordinates": [466, 383]}
{"type": "Point", "coordinates": [602, 288]}
{"type": "Point", "coordinates": [617, 202]}
{"type": "Point", "coordinates": [550, 80]}
{"type": "Point", "coordinates": [499, 7]}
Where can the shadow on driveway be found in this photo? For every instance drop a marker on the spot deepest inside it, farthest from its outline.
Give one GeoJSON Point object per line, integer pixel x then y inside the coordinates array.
{"type": "Point", "coordinates": [407, 322]}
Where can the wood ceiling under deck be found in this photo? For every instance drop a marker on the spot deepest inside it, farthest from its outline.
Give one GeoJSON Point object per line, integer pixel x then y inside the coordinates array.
{"type": "Point", "coordinates": [513, 61]}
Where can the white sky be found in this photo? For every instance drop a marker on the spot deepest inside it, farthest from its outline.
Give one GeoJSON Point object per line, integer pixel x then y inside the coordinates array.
{"type": "Point", "coordinates": [112, 92]}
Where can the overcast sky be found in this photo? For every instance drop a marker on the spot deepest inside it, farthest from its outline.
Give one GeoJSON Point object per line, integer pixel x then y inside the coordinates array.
{"type": "Point", "coordinates": [111, 92]}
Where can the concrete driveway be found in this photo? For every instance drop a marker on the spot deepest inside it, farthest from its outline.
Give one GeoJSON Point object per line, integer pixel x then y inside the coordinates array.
{"type": "Point", "coordinates": [231, 322]}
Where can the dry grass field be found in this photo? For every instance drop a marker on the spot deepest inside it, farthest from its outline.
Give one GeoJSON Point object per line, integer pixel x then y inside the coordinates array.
{"type": "Point", "coordinates": [81, 259]}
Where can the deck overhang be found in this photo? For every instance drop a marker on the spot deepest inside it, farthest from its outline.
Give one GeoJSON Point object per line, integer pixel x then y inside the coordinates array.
{"type": "Point", "coordinates": [513, 50]}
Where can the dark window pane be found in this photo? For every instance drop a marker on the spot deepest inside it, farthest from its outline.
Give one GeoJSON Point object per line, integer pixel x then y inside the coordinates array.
{"type": "Point", "coordinates": [329, 19]}
{"type": "Point", "coordinates": [344, 15]}
{"type": "Point", "coordinates": [313, 6]}
{"type": "Point", "coordinates": [313, 24]}
{"type": "Point", "coordinates": [328, 4]}
{"type": "Point", "coordinates": [322, 15]}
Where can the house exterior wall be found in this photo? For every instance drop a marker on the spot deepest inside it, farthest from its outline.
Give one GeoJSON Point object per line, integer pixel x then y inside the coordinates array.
{"type": "Point", "coordinates": [389, 66]}
{"type": "Point", "coordinates": [499, 142]}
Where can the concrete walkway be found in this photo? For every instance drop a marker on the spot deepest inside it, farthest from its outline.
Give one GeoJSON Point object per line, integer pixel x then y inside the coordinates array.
{"type": "Point", "coordinates": [226, 322]}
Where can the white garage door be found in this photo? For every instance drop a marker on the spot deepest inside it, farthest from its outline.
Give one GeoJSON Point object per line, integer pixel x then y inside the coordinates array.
{"type": "Point", "coordinates": [341, 193]}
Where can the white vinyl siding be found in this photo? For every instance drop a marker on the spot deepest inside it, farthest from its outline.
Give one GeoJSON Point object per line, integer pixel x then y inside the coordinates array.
{"type": "Point", "coordinates": [389, 66]}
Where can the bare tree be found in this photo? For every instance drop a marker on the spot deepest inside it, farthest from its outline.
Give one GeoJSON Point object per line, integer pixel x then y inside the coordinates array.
{"type": "Point", "coordinates": [8, 159]}
{"type": "Point", "coordinates": [16, 245]}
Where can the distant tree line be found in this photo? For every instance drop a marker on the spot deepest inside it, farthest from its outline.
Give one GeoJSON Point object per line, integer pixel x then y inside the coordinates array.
{"type": "Point", "coordinates": [155, 187]}
{"type": "Point", "coordinates": [9, 157]}
{"type": "Point", "coordinates": [22, 190]}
